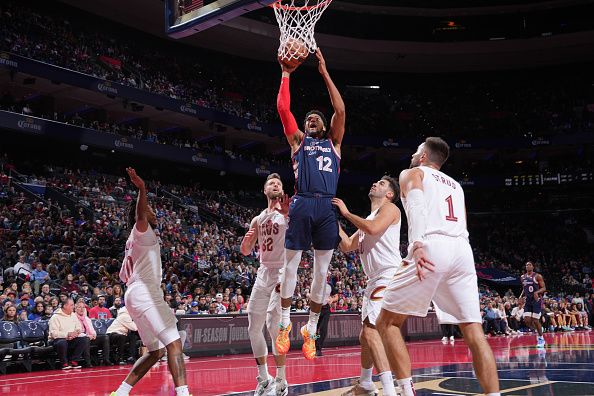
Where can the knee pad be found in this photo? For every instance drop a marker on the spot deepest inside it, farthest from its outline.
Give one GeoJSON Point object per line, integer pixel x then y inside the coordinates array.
{"type": "Point", "coordinates": [322, 260]}
{"type": "Point", "coordinates": [289, 277]}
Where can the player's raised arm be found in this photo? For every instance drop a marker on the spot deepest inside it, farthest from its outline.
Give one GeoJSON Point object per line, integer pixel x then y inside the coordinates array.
{"type": "Point", "coordinates": [249, 240]}
{"type": "Point", "coordinates": [283, 105]}
{"type": "Point", "coordinates": [387, 215]}
{"type": "Point", "coordinates": [348, 243]}
{"type": "Point", "coordinates": [337, 123]}
{"type": "Point", "coordinates": [411, 188]}
{"type": "Point", "coordinates": [141, 203]}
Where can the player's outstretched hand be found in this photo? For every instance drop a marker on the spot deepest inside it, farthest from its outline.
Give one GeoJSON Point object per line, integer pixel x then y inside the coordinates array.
{"type": "Point", "coordinates": [287, 68]}
{"type": "Point", "coordinates": [284, 205]}
{"type": "Point", "coordinates": [322, 62]}
{"type": "Point", "coordinates": [341, 206]}
{"type": "Point", "coordinates": [422, 263]}
{"type": "Point", "coordinates": [250, 234]}
{"type": "Point", "coordinates": [135, 179]}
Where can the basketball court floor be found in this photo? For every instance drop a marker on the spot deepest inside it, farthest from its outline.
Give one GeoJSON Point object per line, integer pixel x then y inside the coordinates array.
{"type": "Point", "coordinates": [564, 368]}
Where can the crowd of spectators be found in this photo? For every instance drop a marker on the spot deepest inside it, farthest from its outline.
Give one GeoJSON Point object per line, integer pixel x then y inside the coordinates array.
{"type": "Point", "coordinates": [507, 104]}
{"type": "Point", "coordinates": [50, 253]}
{"type": "Point", "coordinates": [561, 312]}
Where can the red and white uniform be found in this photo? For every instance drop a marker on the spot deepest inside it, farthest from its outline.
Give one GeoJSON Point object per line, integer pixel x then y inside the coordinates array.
{"type": "Point", "coordinates": [142, 272]}
{"type": "Point", "coordinates": [380, 255]}
{"type": "Point", "coordinates": [453, 285]}
{"type": "Point", "coordinates": [264, 304]}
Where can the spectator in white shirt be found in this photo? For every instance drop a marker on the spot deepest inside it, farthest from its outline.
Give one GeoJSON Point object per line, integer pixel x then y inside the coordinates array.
{"type": "Point", "coordinates": [122, 330]}
{"type": "Point", "coordinates": [515, 319]}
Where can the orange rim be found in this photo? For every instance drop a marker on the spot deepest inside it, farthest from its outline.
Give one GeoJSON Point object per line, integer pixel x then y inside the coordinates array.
{"type": "Point", "coordinates": [285, 7]}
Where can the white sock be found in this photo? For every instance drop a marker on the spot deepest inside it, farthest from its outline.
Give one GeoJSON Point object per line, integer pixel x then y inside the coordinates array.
{"type": "Point", "coordinates": [182, 391]}
{"type": "Point", "coordinates": [281, 373]}
{"type": "Point", "coordinates": [493, 394]}
{"type": "Point", "coordinates": [312, 325]}
{"type": "Point", "coordinates": [407, 386]}
{"type": "Point", "coordinates": [263, 371]}
{"type": "Point", "coordinates": [124, 389]}
{"type": "Point", "coordinates": [365, 380]}
{"type": "Point", "coordinates": [388, 383]}
{"type": "Point", "coordinates": [285, 317]}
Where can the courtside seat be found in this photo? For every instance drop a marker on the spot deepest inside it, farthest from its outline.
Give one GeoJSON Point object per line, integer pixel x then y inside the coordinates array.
{"type": "Point", "coordinates": [12, 347]}
{"type": "Point", "coordinates": [35, 337]}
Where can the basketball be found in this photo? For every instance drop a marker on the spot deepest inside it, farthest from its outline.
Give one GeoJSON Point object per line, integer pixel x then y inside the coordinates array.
{"type": "Point", "coordinates": [293, 53]}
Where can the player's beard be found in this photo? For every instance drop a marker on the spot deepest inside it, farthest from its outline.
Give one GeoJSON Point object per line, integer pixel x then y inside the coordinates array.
{"type": "Point", "coordinates": [275, 195]}
{"type": "Point", "coordinates": [317, 134]}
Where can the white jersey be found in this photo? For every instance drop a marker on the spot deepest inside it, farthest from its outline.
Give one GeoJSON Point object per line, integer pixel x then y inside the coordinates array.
{"type": "Point", "coordinates": [142, 260]}
{"type": "Point", "coordinates": [380, 253]}
{"type": "Point", "coordinates": [444, 202]}
{"type": "Point", "coordinates": [271, 238]}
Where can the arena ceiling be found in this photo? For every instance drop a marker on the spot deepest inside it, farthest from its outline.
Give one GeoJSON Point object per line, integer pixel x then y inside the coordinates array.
{"type": "Point", "coordinates": [256, 39]}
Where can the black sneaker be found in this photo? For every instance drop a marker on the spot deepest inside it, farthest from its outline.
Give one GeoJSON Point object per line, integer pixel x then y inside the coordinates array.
{"type": "Point", "coordinates": [75, 365]}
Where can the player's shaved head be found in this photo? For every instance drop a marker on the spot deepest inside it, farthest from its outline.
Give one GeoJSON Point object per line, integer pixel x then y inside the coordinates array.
{"type": "Point", "coordinates": [437, 150]}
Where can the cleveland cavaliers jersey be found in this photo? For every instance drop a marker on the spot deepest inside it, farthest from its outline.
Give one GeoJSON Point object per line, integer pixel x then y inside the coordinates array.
{"type": "Point", "coordinates": [271, 238]}
{"type": "Point", "coordinates": [444, 203]}
{"type": "Point", "coordinates": [142, 260]}
{"type": "Point", "coordinates": [380, 254]}
{"type": "Point", "coordinates": [317, 167]}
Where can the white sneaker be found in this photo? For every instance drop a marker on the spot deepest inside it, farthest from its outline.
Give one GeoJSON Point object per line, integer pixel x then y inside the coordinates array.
{"type": "Point", "coordinates": [265, 387]}
{"type": "Point", "coordinates": [186, 357]}
{"type": "Point", "coordinates": [282, 388]}
{"type": "Point", "coordinates": [358, 390]}
{"type": "Point", "coordinates": [451, 338]}
{"type": "Point", "coordinates": [444, 339]}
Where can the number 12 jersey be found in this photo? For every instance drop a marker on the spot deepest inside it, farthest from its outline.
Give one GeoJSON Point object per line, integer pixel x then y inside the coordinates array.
{"type": "Point", "coordinates": [317, 168]}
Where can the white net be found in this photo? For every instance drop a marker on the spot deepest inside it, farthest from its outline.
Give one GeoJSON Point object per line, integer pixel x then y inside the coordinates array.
{"type": "Point", "coordinates": [297, 20]}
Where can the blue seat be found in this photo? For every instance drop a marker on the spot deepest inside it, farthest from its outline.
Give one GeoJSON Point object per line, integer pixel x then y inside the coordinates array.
{"type": "Point", "coordinates": [35, 337]}
{"type": "Point", "coordinates": [100, 326]}
{"type": "Point", "coordinates": [12, 350]}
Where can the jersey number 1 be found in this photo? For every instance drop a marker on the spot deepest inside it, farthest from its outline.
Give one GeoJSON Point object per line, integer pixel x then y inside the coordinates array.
{"type": "Point", "coordinates": [324, 163]}
{"type": "Point", "coordinates": [450, 216]}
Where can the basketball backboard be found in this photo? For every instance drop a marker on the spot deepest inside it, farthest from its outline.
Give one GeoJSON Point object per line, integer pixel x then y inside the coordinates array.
{"type": "Point", "coordinates": [186, 17]}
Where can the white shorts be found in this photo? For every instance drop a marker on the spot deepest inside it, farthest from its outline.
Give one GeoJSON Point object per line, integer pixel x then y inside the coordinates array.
{"type": "Point", "coordinates": [452, 286]}
{"type": "Point", "coordinates": [374, 297]}
{"type": "Point", "coordinates": [156, 325]}
{"type": "Point", "coordinates": [265, 299]}
{"type": "Point", "coordinates": [531, 315]}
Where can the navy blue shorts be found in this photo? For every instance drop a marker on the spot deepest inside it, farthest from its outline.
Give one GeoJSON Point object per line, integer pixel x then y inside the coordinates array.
{"type": "Point", "coordinates": [533, 306]}
{"type": "Point", "coordinates": [312, 221]}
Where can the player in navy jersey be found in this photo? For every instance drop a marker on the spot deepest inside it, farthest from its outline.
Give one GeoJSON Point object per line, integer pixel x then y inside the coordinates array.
{"type": "Point", "coordinates": [315, 153]}
{"type": "Point", "coordinates": [534, 288]}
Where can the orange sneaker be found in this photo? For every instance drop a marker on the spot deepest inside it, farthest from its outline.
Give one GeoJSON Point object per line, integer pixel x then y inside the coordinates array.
{"type": "Point", "coordinates": [309, 344]}
{"type": "Point", "coordinates": [283, 343]}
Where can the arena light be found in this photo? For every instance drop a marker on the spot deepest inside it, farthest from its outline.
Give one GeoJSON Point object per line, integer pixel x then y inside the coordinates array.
{"type": "Point", "coordinates": [363, 86]}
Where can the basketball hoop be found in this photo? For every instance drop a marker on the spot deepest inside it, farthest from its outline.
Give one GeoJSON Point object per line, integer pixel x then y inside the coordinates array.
{"type": "Point", "coordinates": [297, 20]}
